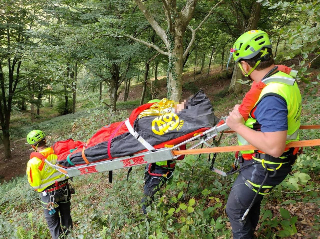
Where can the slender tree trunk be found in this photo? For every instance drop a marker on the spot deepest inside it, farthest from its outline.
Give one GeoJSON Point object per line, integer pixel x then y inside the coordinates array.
{"type": "Point", "coordinates": [51, 100]}
{"type": "Point", "coordinates": [74, 88]}
{"type": "Point", "coordinates": [66, 99]}
{"type": "Point", "coordinates": [146, 73]}
{"type": "Point", "coordinates": [211, 57]}
{"type": "Point", "coordinates": [277, 45]}
{"type": "Point", "coordinates": [154, 84]}
{"type": "Point", "coordinates": [114, 85]}
{"type": "Point", "coordinates": [32, 111]}
{"type": "Point", "coordinates": [127, 89]}
{"type": "Point", "coordinates": [222, 56]}
{"type": "Point", "coordinates": [156, 71]}
{"type": "Point", "coordinates": [39, 102]}
{"type": "Point", "coordinates": [202, 62]}
{"type": "Point", "coordinates": [100, 91]}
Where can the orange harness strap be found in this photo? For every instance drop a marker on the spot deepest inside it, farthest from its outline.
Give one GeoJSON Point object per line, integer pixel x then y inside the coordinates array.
{"type": "Point", "coordinates": [302, 143]}
{"type": "Point", "coordinates": [84, 156]}
{"type": "Point", "coordinates": [301, 127]}
{"type": "Point", "coordinates": [310, 127]}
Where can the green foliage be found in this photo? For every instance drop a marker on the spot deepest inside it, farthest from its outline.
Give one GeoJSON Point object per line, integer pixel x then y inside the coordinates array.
{"type": "Point", "coordinates": [128, 105]}
{"type": "Point", "coordinates": [285, 221]}
{"type": "Point", "coordinates": [61, 107]}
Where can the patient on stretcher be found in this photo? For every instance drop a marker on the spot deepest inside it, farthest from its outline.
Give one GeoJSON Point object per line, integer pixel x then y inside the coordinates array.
{"type": "Point", "coordinates": [150, 126]}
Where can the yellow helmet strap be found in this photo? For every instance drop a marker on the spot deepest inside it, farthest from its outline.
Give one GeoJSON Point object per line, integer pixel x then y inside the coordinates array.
{"type": "Point", "coordinates": [264, 52]}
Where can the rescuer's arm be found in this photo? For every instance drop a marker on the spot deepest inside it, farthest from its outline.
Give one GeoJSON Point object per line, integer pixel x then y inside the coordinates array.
{"type": "Point", "coordinates": [272, 143]}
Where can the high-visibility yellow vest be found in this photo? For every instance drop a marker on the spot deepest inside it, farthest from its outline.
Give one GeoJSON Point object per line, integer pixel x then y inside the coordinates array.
{"type": "Point", "coordinates": [287, 88]}
{"type": "Point", "coordinates": [42, 177]}
{"type": "Point", "coordinates": [169, 164]}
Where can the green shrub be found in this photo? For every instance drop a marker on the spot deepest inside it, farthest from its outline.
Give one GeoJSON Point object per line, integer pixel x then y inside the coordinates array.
{"type": "Point", "coordinates": [61, 107]}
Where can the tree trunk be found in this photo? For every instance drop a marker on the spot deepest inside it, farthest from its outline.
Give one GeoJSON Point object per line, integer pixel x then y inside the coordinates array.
{"type": "Point", "coordinates": [66, 99]}
{"type": "Point", "coordinates": [114, 85]}
{"type": "Point", "coordinates": [202, 62]}
{"type": "Point", "coordinates": [100, 91]}
{"type": "Point", "coordinates": [156, 71]}
{"type": "Point", "coordinates": [175, 70]}
{"type": "Point", "coordinates": [211, 57]}
{"type": "Point", "coordinates": [146, 73]}
{"type": "Point", "coordinates": [32, 113]}
{"type": "Point", "coordinates": [222, 56]}
{"type": "Point", "coordinates": [277, 45]}
{"type": "Point", "coordinates": [74, 88]}
{"type": "Point", "coordinates": [126, 89]}
{"type": "Point", "coordinates": [6, 97]}
{"type": "Point", "coordinates": [235, 86]}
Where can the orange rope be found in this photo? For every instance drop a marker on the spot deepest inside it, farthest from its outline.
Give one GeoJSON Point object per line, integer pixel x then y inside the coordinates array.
{"type": "Point", "coordinates": [84, 156]}
{"type": "Point", "coordinates": [302, 143]}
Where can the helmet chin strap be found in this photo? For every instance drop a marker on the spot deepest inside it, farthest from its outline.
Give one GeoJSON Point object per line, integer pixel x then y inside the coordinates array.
{"type": "Point", "coordinates": [35, 147]}
{"type": "Point", "coordinates": [264, 53]}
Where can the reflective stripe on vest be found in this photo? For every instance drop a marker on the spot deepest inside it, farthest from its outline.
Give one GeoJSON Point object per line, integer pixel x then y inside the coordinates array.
{"type": "Point", "coordinates": [286, 87]}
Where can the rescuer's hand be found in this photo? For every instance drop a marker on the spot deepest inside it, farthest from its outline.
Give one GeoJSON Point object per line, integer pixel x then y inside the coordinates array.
{"type": "Point", "coordinates": [235, 119]}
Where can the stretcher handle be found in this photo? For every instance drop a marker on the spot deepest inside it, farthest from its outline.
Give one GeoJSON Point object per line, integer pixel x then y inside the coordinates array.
{"type": "Point", "coordinates": [302, 143]}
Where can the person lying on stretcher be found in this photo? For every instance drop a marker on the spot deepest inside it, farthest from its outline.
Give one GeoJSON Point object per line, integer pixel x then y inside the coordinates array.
{"type": "Point", "coordinates": [150, 126]}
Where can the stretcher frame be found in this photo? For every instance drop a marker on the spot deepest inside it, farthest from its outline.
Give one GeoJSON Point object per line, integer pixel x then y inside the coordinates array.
{"type": "Point", "coordinates": [147, 157]}
{"type": "Point", "coordinates": [174, 152]}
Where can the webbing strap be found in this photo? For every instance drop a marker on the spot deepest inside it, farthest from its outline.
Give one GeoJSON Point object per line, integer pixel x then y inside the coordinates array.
{"type": "Point", "coordinates": [69, 161]}
{"type": "Point", "coordinates": [84, 156]}
{"type": "Point", "coordinates": [40, 156]}
{"type": "Point", "coordinates": [138, 136]}
{"type": "Point", "coordinates": [301, 127]}
{"type": "Point", "coordinates": [302, 143]}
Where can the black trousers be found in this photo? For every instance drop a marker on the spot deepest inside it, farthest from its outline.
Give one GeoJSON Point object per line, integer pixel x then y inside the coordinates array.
{"type": "Point", "coordinates": [241, 197]}
{"type": "Point", "coordinates": [239, 200]}
{"type": "Point", "coordinates": [153, 183]}
{"type": "Point", "coordinates": [60, 222]}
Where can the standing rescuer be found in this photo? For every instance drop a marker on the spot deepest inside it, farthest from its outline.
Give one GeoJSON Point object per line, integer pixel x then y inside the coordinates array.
{"type": "Point", "coordinates": [53, 185]}
{"type": "Point", "coordinates": [272, 123]}
{"type": "Point", "coordinates": [157, 174]}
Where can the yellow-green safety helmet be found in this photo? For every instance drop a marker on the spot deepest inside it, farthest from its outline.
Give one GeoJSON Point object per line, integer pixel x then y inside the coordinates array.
{"type": "Point", "coordinates": [249, 44]}
{"type": "Point", "coordinates": [35, 136]}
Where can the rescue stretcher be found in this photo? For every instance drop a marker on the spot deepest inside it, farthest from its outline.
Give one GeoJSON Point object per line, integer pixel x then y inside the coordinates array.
{"type": "Point", "coordinates": [162, 154]}
{"type": "Point", "coordinates": [173, 152]}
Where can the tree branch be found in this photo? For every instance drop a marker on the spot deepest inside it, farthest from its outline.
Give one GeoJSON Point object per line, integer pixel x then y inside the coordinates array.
{"type": "Point", "coordinates": [208, 15]}
{"type": "Point", "coordinates": [193, 36]}
{"type": "Point", "coordinates": [193, 31]}
{"type": "Point", "coordinates": [148, 45]}
{"type": "Point", "coordinates": [167, 13]}
{"type": "Point", "coordinates": [153, 57]}
{"type": "Point", "coordinates": [188, 10]}
{"type": "Point", "coordinates": [160, 32]}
